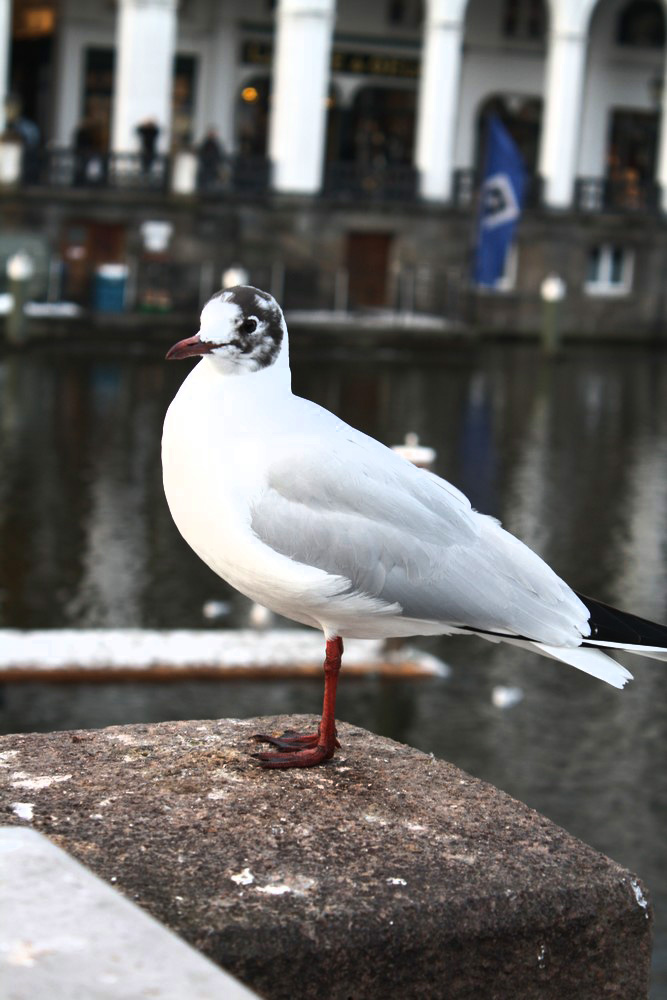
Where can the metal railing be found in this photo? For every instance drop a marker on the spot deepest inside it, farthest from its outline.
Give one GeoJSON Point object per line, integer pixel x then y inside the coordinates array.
{"type": "Point", "coordinates": [603, 194]}
{"type": "Point", "coordinates": [360, 182]}
{"type": "Point", "coordinates": [69, 168]}
{"type": "Point", "coordinates": [467, 183]}
{"type": "Point", "coordinates": [128, 171]}
{"type": "Point", "coordinates": [343, 181]}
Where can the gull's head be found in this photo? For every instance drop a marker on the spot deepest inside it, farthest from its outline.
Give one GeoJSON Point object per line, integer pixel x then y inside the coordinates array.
{"type": "Point", "coordinates": [242, 328]}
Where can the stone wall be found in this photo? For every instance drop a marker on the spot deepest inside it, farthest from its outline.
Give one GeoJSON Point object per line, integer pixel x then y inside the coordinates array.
{"type": "Point", "coordinates": [296, 246]}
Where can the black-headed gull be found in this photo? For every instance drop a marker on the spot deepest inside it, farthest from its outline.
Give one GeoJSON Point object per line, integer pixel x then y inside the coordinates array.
{"type": "Point", "coordinates": [320, 523]}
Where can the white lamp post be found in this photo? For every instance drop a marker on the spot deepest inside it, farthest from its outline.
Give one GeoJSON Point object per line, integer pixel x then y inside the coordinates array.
{"type": "Point", "coordinates": [552, 293]}
{"type": "Point", "coordinates": [20, 270]}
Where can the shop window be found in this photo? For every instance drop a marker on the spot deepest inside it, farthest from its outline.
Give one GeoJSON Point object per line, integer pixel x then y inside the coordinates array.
{"type": "Point", "coordinates": [610, 270]}
{"type": "Point", "coordinates": [524, 19]}
{"type": "Point", "coordinates": [641, 24]}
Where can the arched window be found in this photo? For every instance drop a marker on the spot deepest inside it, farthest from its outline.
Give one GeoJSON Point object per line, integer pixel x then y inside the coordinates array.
{"type": "Point", "coordinates": [641, 24]}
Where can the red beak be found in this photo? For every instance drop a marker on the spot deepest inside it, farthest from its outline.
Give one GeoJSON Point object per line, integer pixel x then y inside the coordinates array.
{"type": "Point", "coordinates": [188, 348]}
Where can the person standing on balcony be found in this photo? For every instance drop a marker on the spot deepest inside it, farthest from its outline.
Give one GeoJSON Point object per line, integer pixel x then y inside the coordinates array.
{"type": "Point", "coordinates": [148, 131]}
{"type": "Point", "coordinates": [27, 133]}
{"type": "Point", "coordinates": [89, 163]}
{"type": "Point", "coordinates": [211, 159]}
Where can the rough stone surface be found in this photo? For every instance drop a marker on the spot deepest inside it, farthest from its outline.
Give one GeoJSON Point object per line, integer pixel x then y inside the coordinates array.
{"type": "Point", "coordinates": [66, 934]}
{"type": "Point", "coordinates": [385, 873]}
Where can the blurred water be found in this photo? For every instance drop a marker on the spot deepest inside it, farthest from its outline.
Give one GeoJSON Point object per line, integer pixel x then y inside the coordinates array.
{"type": "Point", "coordinates": [571, 456]}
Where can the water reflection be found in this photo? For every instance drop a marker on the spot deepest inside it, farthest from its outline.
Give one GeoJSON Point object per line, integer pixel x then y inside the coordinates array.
{"type": "Point", "coordinates": [572, 457]}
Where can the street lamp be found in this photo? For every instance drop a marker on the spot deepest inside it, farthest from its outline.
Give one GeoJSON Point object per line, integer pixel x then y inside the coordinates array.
{"type": "Point", "coordinates": [552, 293]}
{"type": "Point", "coordinates": [20, 269]}
{"type": "Point", "coordinates": [20, 266]}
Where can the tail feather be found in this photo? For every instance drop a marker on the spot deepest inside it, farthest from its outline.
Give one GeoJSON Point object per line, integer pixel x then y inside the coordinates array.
{"type": "Point", "coordinates": [609, 626]}
{"type": "Point", "coordinates": [611, 630]}
{"type": "Point", "coordinates": [591, 661]}
{"type": "Point", "coordinates": [649, 651]}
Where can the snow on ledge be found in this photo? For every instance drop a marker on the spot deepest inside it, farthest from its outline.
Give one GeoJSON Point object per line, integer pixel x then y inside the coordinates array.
{"type": "Point", "coordinates": [49, 652]}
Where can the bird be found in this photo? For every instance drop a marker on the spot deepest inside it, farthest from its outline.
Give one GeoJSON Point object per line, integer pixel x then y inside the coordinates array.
{"type": "Point", "coordinates": [324, 525]}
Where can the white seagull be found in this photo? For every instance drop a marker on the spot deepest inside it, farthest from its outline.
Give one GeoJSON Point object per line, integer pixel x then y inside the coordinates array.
{"type": "Point", "coordinates": [321, 523]}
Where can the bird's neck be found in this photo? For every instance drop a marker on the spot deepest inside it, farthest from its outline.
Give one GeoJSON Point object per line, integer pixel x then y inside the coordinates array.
{"type": "Point", "coordinates": [275, 378]}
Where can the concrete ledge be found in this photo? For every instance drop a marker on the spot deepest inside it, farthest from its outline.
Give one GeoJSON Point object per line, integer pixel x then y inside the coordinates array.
{"type": "Point", "coordinates": [65, 934]}
{"type": "Point", "coordinates": [385, 873]}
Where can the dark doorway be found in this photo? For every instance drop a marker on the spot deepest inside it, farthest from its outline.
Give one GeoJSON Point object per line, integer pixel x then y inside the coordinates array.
{"type": "Point", "coordinates": [252, 116]}
{"type": "Point", "coordinates": [632, 156]}
{"type": "Point", "coordinates": [32, 57]}
{"type": "Point", "coordinates": [97, 96]}
{"type": "Point", "coordinates": [32, 60]}
{"type": "Point", "coordinates": [84, 245]}
{"type": "Point", "coordinates": [368, 268]}
{"type": "Point", "coordinates": [633, 143]}
{"type": "Point", "coordinates": [183, 101]}
{"type": "Point", "coordinates": [377, 130]}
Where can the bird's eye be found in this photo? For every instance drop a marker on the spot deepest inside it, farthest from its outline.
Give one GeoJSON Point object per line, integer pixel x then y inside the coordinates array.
{"type": "Point", "coordinates": [249, 325]}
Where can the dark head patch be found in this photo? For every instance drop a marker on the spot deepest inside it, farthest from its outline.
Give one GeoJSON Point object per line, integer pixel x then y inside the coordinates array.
{"type": "Point", "coordinates": [253, 324]}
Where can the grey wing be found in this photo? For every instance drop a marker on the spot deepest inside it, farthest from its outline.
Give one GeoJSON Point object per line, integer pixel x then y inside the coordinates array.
{"type": "Point", "coordinates": [406, 537]}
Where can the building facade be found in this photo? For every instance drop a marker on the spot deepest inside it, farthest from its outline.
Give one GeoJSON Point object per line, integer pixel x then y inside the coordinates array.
{"type": "Point", "coordinates": [378, 111]}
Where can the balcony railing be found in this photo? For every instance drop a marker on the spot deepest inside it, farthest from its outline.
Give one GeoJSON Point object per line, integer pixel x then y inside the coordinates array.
{"type": "Point", "coordinates": [628, 194]}
{"type": "Point", "coordinates": [127, 171]}
{"type": "Point", "coordinates": [343, 181]}
{"type": "Point", "coordinates": [359, 182]}
{"type": "Point", "coordinates": [69, 168]}
{"type": "Point", "coordinates": [467, 183]}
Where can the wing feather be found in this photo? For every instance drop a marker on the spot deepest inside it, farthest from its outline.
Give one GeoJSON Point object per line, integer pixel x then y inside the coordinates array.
{"type": "Point", "coordinates": [406, 537]}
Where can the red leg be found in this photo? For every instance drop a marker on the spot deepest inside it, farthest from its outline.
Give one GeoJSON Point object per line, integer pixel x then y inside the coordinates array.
{"type": "Point", "coordinates": [306, 750]}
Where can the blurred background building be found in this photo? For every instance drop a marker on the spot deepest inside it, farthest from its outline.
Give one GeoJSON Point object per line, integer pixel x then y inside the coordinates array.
{"type": "Point", "coordinates": [334, 151]}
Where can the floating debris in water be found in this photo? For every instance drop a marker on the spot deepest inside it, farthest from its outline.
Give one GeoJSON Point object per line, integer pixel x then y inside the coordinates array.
{"type": "Point", "coordinates": [506, 697]}
{"type": "Point", "coordinates": [216, 609]}
{"type": "Point", "coordinates": [260, 617]}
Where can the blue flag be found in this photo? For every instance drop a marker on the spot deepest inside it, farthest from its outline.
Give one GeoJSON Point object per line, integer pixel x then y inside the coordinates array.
{"type": "Point", "coordinates": [500, 203]}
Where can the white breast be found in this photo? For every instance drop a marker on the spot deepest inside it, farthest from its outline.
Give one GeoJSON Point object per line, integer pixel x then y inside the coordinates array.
{"type": "Point", "coordinates": [216, 447]}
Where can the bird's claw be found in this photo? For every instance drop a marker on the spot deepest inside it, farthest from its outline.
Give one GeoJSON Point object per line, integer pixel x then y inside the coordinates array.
{"type": "Point", "coordinates": [294, 749]}
{"type": "Point", "coordinates": [290, 741]}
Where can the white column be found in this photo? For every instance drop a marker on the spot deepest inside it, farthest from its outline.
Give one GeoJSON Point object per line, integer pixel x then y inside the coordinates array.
{"type": "Point", "coordinates": [661, 166]}
{"type": "Point", "coordinates": [5, 45]}
{"type": "Point", "coordinates": [145, 40]}
{"type": "Point", "coordinates": [221, 84]}
{"type": "Point", "coordinates": [300, 86]}
{"type": "Point", "coordinates": [563, 91]}
{"type": "Point", "coordinates": [438, 98]}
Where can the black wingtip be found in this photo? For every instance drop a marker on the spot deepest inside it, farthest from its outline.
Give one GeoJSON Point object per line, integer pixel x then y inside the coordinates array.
{"type": "Point", "coordinates": [612, 625]}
